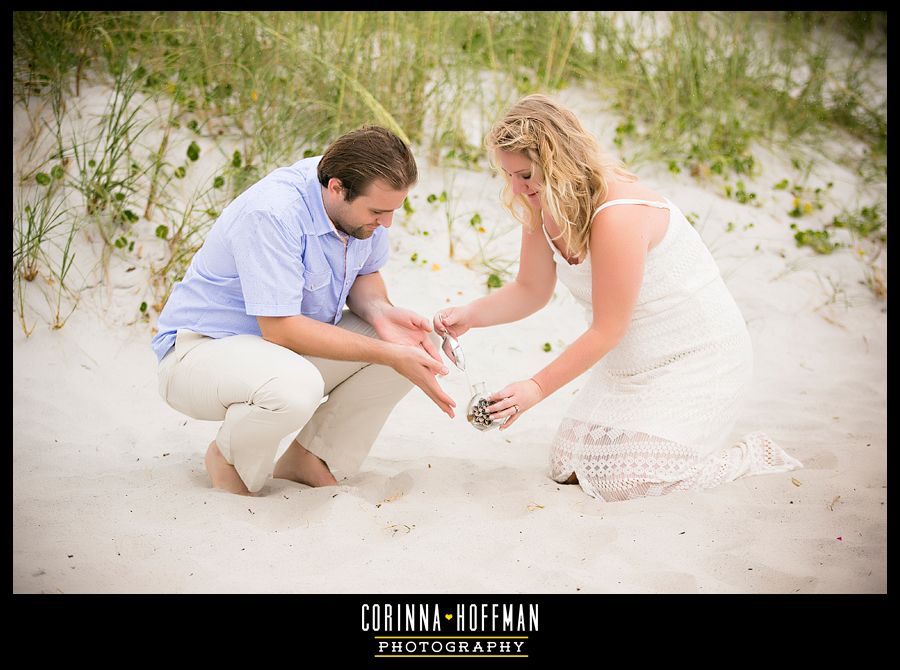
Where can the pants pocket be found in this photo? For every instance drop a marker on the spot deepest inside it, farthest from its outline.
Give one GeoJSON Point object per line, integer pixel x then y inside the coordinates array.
{"type": "Point", "coordinates": [185, 341]}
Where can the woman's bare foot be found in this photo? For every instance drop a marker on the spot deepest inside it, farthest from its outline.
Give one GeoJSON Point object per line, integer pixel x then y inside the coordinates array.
{"type": "Point", "coordinates": [222, 473]}
{"type": "Point", "coordinates": [303, 467]}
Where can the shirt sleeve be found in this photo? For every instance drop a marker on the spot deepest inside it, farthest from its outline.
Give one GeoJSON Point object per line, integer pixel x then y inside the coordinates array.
{"type": "Point", "coordinates": [268, 255]}
{"type": "Point", "coordinates": [378, 256]}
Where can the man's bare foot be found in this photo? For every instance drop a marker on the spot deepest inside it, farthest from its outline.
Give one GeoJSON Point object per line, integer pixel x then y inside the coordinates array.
{"type": "Point", "coordinates": [303, 467]}
{"type": "Point", "coordinates": [222, 473]}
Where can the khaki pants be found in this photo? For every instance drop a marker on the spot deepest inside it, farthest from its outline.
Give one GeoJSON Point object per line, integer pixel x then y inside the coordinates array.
{"type": "Point", "coordinates": [264, 393]}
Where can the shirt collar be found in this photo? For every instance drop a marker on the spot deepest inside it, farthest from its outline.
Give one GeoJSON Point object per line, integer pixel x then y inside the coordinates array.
{"type": "Point", "coordinates": [321, 223]}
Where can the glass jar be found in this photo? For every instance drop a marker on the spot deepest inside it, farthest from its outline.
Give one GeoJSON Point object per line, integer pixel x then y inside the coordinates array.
{"type": "Point", "coordinates": [477, 412]}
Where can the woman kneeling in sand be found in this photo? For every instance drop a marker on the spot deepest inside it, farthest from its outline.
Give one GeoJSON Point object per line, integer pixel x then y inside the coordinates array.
{"type": "Point", "coordinates": [667, 348]}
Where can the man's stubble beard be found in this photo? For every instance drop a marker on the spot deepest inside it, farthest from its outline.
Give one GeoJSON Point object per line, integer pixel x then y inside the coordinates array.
{"type": "Point", "coordinates": [362, 232]}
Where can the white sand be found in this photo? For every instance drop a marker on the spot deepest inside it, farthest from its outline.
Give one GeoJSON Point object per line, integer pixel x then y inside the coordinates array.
{"type": "Point", "coordinates": [110, 493]}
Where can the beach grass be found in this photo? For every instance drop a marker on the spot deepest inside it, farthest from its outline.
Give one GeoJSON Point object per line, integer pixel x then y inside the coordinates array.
{"type": "Point", "coordinates": [696, 91]}
{"type": "Point", "coordinates": [37, 219]}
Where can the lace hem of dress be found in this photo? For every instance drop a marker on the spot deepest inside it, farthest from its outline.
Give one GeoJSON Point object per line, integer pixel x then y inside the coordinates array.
{"type": "Point", "coordinates": [615, 465]}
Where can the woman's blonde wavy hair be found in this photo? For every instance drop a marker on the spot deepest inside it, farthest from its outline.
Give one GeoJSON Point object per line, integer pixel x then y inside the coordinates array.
{"type": "Point", "coordinates": [568, 161]}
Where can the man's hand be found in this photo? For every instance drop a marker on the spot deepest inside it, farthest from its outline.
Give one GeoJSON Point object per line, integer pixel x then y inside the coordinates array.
{"type": "Point", "coordinates": [403, 326]}
{"type": "Point", "coordinates": [414, 364]}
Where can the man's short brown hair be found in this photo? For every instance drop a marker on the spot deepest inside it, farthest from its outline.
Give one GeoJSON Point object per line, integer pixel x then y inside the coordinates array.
{"type": "Point", "coordinates": [361, 156]}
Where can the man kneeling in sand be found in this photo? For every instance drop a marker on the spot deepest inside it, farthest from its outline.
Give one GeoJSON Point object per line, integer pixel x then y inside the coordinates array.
{"type": "Point", "coordinates": [257, 332]}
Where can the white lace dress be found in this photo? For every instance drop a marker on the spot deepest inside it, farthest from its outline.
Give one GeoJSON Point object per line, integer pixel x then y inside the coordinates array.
{"type": "Point", "coordinates": [656, 413]}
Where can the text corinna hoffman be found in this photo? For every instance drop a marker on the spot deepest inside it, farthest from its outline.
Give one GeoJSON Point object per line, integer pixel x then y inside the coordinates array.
{"type": "Point", "coordinates": [464, 617]}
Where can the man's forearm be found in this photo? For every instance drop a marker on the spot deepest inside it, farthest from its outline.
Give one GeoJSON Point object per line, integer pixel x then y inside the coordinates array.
{"type": "Point", "coordinates": [368, 297]}
{"type": "Point", "coordinates": [309, 337]}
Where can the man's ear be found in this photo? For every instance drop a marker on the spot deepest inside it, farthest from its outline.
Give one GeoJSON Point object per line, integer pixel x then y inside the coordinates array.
{"type": "Point", "coordinates": [335, 186]}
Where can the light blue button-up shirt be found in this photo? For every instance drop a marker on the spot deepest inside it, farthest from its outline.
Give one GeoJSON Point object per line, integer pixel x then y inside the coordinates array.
{"type": "Point", "coordinates": [272, 252]}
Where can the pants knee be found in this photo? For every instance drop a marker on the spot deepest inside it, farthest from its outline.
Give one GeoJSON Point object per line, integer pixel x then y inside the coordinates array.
{"type": "Point", "coordinates": [404, 386]}
{"type": "Point", "coordinates": [391, 383]}
{"type": "Point", "coordinates": [293, 397]}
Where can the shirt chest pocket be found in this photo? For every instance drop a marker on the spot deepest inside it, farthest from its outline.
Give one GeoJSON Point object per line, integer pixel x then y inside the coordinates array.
{"type": "Point", "coordinates": [316, 294]}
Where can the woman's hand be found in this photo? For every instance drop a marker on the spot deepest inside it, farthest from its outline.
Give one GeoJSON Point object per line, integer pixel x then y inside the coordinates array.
{"type": "Point", "coordinates": [456, 320]}
{"type": "Point", "coordinates": [513, 401]}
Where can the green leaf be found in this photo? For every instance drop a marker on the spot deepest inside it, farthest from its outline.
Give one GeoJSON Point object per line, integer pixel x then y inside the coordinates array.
{"type": "Point", "coordinates": [143, 306]}
{"type": "Point", "coordinates": [236, 159]}
{"type": "Point", "coordinates": [131, 216]}
{"type": "Point", "coordinates": [162, 232]}
{"type": "Point", "coordinates": [817, 240]}
{"type": "Point", "coordinates": [547, 346]}
{"type": "Point", "coordinates": [494, 281]}
{"type": "Point", "coordinates": [42, 178]}
{"type": "Point", "coordinates": [180, 172]}
{"type": "Point", "coordinates": [476, 220]}
{"type": "Point", "coordinates": [431, 197]}
{"type": "Point", "coordinates": [407, 207]}
{"type": "Point", "coordinates": [193, 151]}
{"type": "Point", "coordinates": [218, 182]}
{"type": "Point", "coordinates": [57, 172]}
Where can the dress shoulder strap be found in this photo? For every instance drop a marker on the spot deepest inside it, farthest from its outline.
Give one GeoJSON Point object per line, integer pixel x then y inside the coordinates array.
{"type": "Point", "coordinates": [630, 201]}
